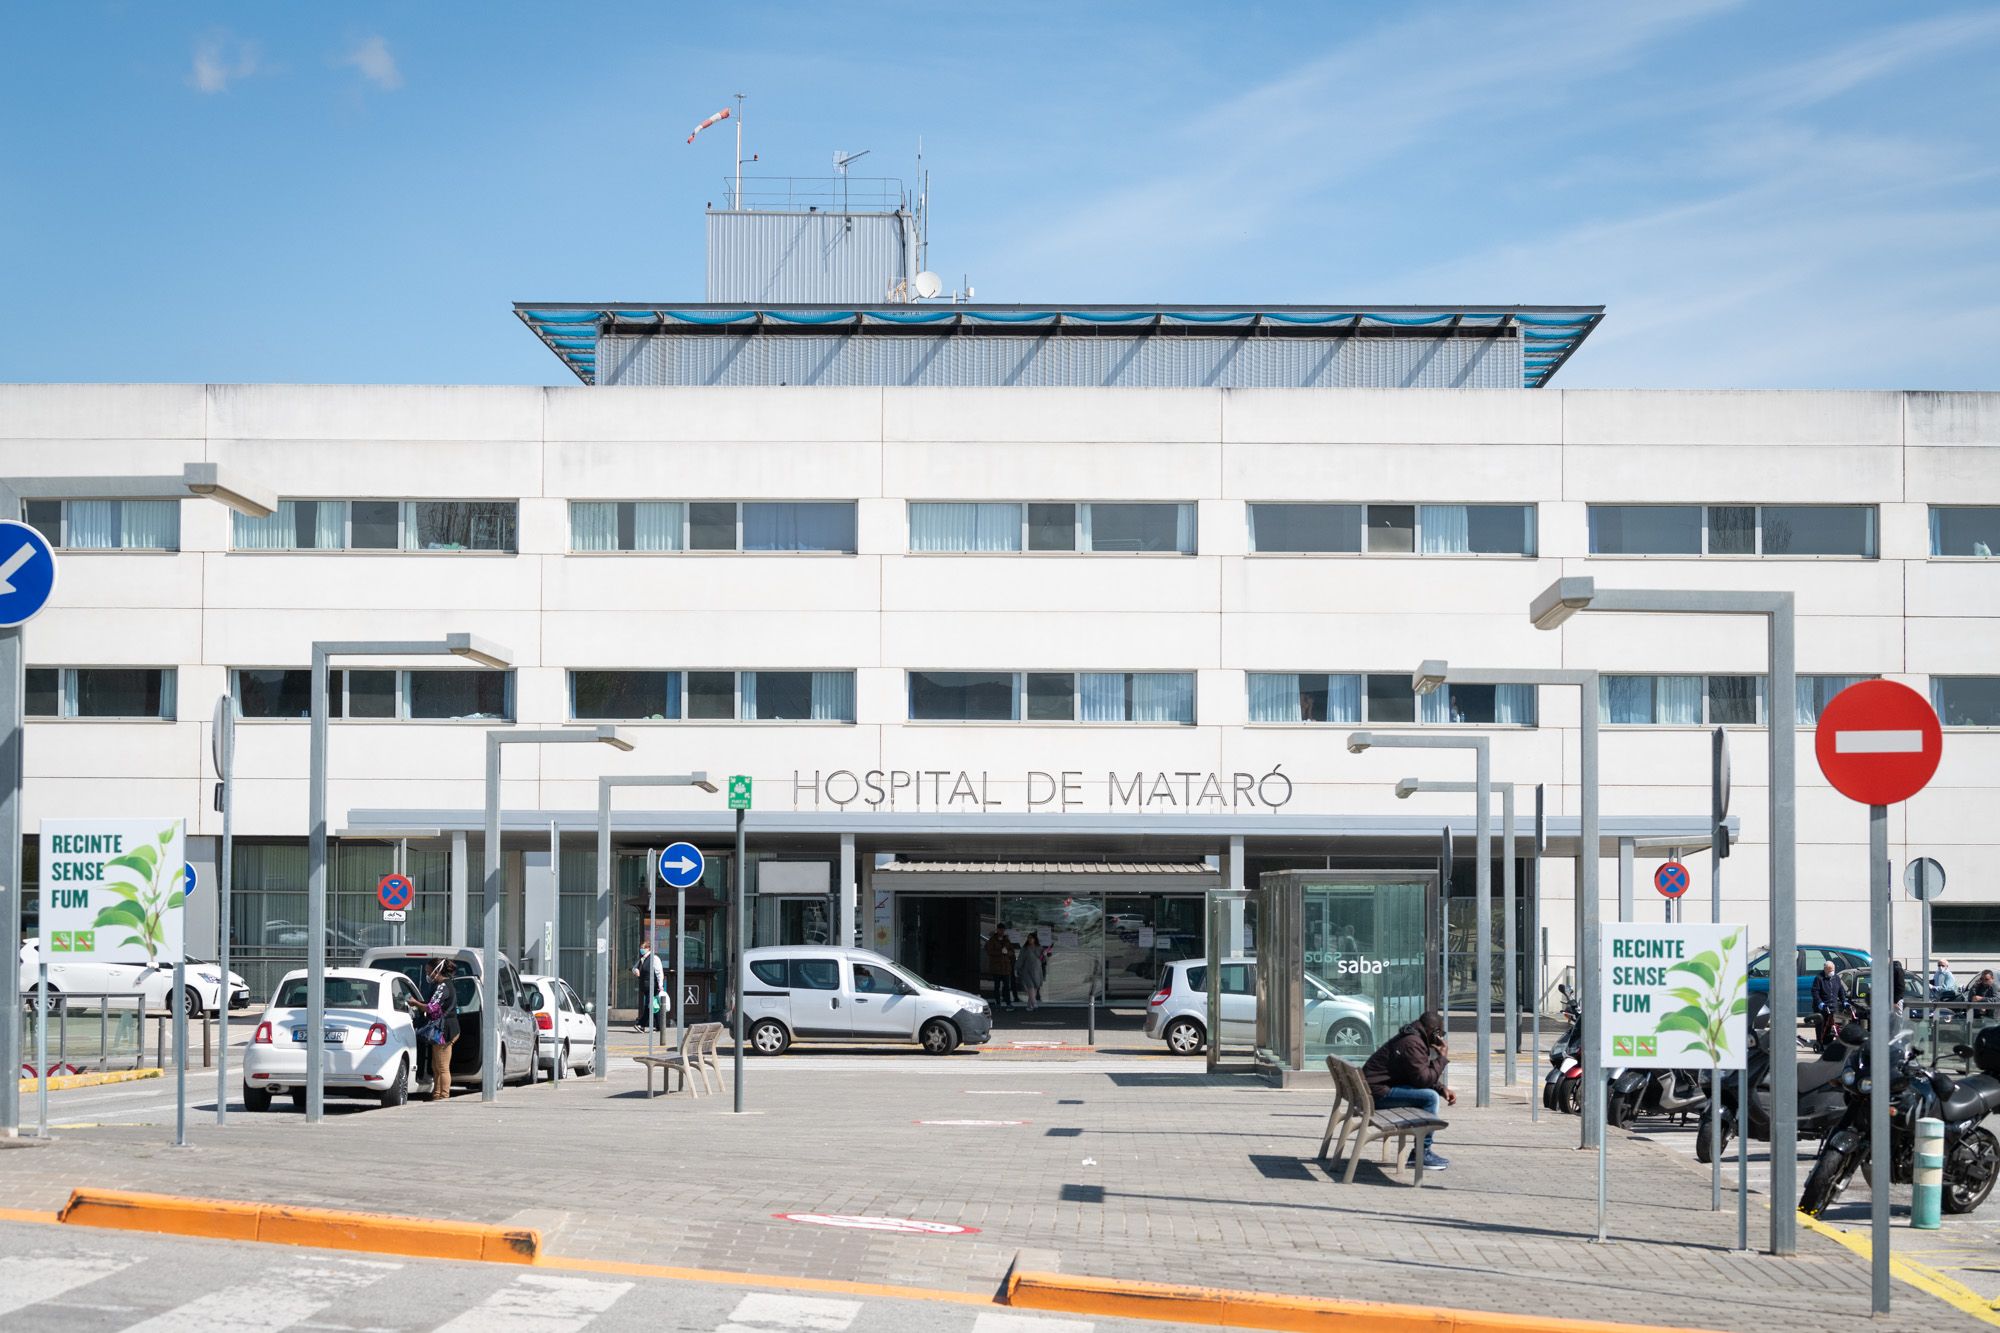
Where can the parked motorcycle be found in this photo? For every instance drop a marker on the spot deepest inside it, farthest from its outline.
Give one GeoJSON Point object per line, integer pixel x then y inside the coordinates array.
{"type": "Point", "coordinates": [1822, 1102]}
{"type": "Point", "coordinates": [1674, 1093]}
{"type": "Point", "coordinates": [1562, 1087]}
{"type": "Point", "coordinates": [1971, 1152]}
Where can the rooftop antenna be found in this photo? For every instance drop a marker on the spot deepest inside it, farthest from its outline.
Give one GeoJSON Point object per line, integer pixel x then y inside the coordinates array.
{"type": "Point", "coordinates": [738, 204]}
{"type": "Point", "coordinates": [840, 163]}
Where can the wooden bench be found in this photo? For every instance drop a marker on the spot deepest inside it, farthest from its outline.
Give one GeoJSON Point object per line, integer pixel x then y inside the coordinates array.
{"type": "Point", "coordinates": [696, 1056]}
{"type": "Point", "coordinates": [1353, 1113]}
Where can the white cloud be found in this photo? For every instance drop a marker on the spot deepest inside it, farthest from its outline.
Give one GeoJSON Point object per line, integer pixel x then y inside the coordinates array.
{"type": "Point", "coordinates": [220, 59]}
{"type": "Point", "coordinates": [375, 62]}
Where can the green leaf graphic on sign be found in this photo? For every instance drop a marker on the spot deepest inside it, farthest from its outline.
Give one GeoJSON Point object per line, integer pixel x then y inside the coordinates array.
{"type": "Point", "coordinates": [122, 913]}
{"type": "Point", "coordinates": [147, 891]}
{"type": "Point", "coordinates": [1705, 1012]}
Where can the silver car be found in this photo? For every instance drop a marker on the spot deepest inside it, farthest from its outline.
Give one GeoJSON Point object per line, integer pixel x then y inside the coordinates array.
{"type": "Point", "coordinates": [1178, 1012]}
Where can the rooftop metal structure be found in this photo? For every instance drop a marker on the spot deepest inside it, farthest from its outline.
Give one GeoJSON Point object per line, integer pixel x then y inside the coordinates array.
{"type": "Point", "coordinates": [1546, 336]}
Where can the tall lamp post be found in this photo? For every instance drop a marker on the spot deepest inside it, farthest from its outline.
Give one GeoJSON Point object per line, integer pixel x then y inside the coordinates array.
{"type": "Point", "coordinates": [473, 649]}
{"type": "Point", "coordinates": [1563, 599]}
{"type": "Point", "coordinates": [203, 480]}
{"type": "Point", "coordinates": [489, 1031]}
{"type": "Point", "coordinates": [1432, 674]}
{"type": "Point", "coordinates": [1482, 964]}
{"type": "Point", "coordinates": [602, 979]}
{"type": "Point", "coordinates": [1509, 949]}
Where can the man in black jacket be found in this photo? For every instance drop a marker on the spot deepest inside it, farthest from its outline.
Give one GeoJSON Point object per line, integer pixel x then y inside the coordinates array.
{"type": "Point", "coordinates": [1829, 999]}
{"type": "Point", "coordinates": [1409, 1070]}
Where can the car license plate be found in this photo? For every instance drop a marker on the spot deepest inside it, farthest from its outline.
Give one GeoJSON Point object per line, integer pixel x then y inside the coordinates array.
{"type": "Point", "coordinates": [334, 1036]}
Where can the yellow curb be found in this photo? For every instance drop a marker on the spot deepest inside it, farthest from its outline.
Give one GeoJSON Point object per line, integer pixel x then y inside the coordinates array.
{"type": "Point", "coordinates": [282, 1224]}
{"type": "Point", "coordinates": [61, 1081]}
{"type": "Point", "coordinates": [1924, 1278]}
{"type": "Point", "coordinates": [1294, 1314]}
{"type": "Point", "coordinates": [25, 1215]}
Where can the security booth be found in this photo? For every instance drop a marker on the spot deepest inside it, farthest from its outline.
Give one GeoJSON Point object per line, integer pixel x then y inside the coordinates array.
{"type": "Point", "coordinates": [1345, 958]}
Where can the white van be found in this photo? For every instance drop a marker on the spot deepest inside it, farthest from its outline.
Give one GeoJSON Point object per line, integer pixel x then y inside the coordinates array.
{"type": "Point", "coordinates": [805, 992]}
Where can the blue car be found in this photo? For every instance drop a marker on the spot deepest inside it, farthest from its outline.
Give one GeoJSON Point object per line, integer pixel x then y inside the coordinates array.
{"type": "Point", "coordinates": [1812, 957]}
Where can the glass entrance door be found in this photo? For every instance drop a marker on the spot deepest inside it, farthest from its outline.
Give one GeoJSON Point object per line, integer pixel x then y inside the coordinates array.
{"type": "Point", "coordinates": [1070, 933]}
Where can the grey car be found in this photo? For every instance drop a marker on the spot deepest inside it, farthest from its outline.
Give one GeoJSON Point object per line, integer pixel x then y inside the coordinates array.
{"type": "Point", "coordinates": [1178, 1012]}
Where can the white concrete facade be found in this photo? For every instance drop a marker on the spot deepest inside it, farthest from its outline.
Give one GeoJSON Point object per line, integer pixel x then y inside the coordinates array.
{"type": "Point", "coordinates": [884, 610]}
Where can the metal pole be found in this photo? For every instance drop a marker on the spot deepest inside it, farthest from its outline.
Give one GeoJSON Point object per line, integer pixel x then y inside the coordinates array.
{"type": "Point", "coordinates": [1602, 1099]}
{"type": "Point", "coordinates": [1744, 1092]}
{"type": "Point", "coordinates": [489, 1029]}
{"type": "Point", "coordinates": [225, 752]}
{"type": "Point", "coordinates": [1782, 734]}
{"type": "Point", "coordinates": [1482, 933]}
{"type": "Point", "coordinates": [12, 694]}
{"type": "Point", "coordinates": [647, 1013]}
{"type": "Point", "coordinates": [181, 1051]}
{"type": "Point", "coordinates": [1593, 1064]}
{"type": "Point", "coordinates": [1444, 935]}
{"type": "Point", "coordinates": [1537, 952]}
{"type": "Point", "coordinates": [1927, 960]}
{"type": "Point", "coordinates": [1718, 749]}
{"type": "Point", "coordinates": [1881, 1018]}
{"type": "Point", "coordinates": [554, 960]}
{"type": "Point", "coordinates": [1626, 849]}
{"type": "Point", "coordinates": [736, 961]}
{"type": "Point", "coordinates": [1508, 945]}
{"type": "Point", "coordinates": [316, 896]}
{"type": "Point", "coordinates": [601, 982]}
{"type": "Point", "coordinates": [42, 1042]}
{"type": "Point", "coordinates": [680, 960]}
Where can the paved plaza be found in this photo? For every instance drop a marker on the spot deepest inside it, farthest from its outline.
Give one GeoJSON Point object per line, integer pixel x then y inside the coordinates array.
{"type": "Point", "coordinates": [1124, 1166]}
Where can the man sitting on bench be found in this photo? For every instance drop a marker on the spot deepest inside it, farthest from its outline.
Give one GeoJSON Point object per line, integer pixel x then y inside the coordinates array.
{"type": "Point", "coordinates": [1409, 1070]}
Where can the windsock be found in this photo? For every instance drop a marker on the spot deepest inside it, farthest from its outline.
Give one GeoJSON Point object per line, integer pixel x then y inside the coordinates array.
{"type": "Point", "coordinates": [717, 118]}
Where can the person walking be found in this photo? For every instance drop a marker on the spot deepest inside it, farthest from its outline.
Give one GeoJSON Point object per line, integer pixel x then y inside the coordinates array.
{"type": "Point", "coordinates": [1030, 969]}
{"type": "Point", "coordinates": [1829, 1000]}
{"type": "Point", "coordinates": [437, 1024]}
{"type": "Point", "coordinates": [1410, 1069]}
{"type": "Point", "coordinates": [654, 1003]}
{"type": "Point", "coordinates": [1000, 966]}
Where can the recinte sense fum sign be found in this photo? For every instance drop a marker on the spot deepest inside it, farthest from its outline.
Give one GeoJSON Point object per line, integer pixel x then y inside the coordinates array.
{"type": "Point", "coordinates": [1674, 996]}
{"type": "Point", "coordinates": [112, 889]}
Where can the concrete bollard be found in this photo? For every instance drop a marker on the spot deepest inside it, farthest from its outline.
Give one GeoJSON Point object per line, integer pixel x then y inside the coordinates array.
{"type": "Point", "coordinates": [1928, 1175]}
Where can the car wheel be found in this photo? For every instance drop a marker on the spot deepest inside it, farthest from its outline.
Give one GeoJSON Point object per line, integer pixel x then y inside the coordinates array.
{"type": "Point", "coordinates": [54, 1001]}
{"type": "Point", "coordinates": [299, 1098]}
{"type": "Point", "coordinates": [939, 1037]}
{"type": "Point", "coordinates": [256, 1099]}
{"type": "Point", "coordinates": [1185, 1037]}
{"type": "Point", "coordinates": [562, 1061]}
{"type": "Point", "coordinates": [191, 1002]}
{"type": "Point", "coordinates": [768, 1037]}
{"type": "Point", "coordinates": [589, 1064]}
{"type": "Point", "coordinates": [398, 1092]}
{"type": "Point", "coordinates": [1348, 1034]}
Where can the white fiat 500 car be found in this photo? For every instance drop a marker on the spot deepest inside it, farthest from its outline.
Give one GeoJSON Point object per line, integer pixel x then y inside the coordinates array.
{"type": "Point", "coordinates": [371, 1040]}
{"type": "Point", "coordinates": [1178, 1011]}
{"type": "Point", "coordinates": [563, 1023]}
{"type": "Point", "coordinates": [86, 981]}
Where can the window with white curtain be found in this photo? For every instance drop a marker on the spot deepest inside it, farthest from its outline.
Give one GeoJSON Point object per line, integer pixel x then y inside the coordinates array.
{"type": "Point", "coordinates": [627, 525]}
{"type": "Point", "coordinates": [718, 696]}
{"type": "Point", "coordinates": [1965, 531]}
{"type": "Point", "coordinates": [1966, 701]}
{"type": "Point", "coordinates": [1816, 692]}
{"type": "Point", "coordinates": [107, 525]}
{"type": "Point", "coordinates": [1292, 528]}
{"type": "Point", "coordinates": [380, 525]}
{"type": "Point", "coordinates": [128, 693]}
{"type": "Point", "coordinates": [1096, 527]}
{"type": "Point", "coordinates": [1740, 529]}
{"type": "Point", "coordinates": [1159, 697]}
{"type": "Point", "coordinates": [1680, 701]}
{"type": "Point", "coordinates": [1348, 699]}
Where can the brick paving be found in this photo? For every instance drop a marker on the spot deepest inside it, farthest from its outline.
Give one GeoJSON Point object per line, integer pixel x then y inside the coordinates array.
{"type": "Point", "coordinates": [1130, 1166]}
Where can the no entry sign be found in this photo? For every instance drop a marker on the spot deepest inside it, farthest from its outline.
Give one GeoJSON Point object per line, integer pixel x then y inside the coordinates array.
{"type": "Point", "coordinates": [904, 1225]}
{"type": "Point", "coordinates": [1879, 742]}
{"type": "Point", "coordinates": [1671, 879]}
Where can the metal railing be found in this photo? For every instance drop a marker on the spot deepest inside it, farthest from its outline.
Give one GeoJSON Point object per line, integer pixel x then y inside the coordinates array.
{"type": "Point", "coordinates": [1942, 1025]}
{"type": "Point", "coordinates": [93, 1031]}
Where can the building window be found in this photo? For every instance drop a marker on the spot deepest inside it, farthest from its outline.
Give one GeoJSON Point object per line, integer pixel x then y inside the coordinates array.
{"type": "Point", "coordinates": [627, 525]}
{"type": "Point", "coordinates": [1053, 696]}
{"type": "Point", "coordinates": [380, 525]}
{"type": "Point", "coordinates": [441, 694]}
{"type": "Point", "coordinates": [712, 525]}
{"type": "Point", "coordinates": [126, 693]}
{"type": "Point", "coordinates": [1958, 929]}
{"type": "Point", "coordinates": [1100, 527]}
{"type": "Point", "coordinates": [1847, 530]}
{"type": "Point", "coordinates": [1965, 530]}
{"type": "Point", "coordinates": [1680, 701]}
{"type": "Point", "coordinates": [107, 525]}
{"type": "Point", "coordinates": [1816, 692]}
{"type": "Point", "coordinates": [719, 696]}
{"type": "Point", "coordinates": [1343, 699]}
{"type": "Point", "coordinates": [1966, 701]}
{"type": "Point", "coordinates": [1393, 529]}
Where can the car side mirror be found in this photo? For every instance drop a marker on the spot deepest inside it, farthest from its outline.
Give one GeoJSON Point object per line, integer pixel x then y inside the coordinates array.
{"type": "Point", "coordinates": [590, 1006]}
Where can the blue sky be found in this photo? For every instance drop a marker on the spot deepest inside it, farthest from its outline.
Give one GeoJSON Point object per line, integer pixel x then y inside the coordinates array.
{"type": "Point", "coordinates": [1764, 195]}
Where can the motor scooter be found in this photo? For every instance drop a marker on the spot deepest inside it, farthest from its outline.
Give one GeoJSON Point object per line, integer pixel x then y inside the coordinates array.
{"type": "Point", "coordinates": [1821, 1102]}
{"type": "Point", "coordinates": [1674, 1093]}
{"type": "Point", "coordinates": [1562, 1086]}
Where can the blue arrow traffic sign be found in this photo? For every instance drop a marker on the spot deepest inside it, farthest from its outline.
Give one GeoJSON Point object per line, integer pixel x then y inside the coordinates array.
{"type": "Point", "coordinates": [27, 573]}
{"type": "Point", "coordinates": [681, 865]}
{"type": "Point", "coordinates": [187, 879]}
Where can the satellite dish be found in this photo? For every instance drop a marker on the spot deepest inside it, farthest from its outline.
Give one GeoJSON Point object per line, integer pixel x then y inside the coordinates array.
{"type": "Point", "coordinates": [927, 284]}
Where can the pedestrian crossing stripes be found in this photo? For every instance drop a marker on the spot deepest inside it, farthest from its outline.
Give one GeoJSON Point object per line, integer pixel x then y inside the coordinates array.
{"type": "Point", "coordinates": [536, 1304]}
{"type": "Point", "coordinates": [26, 1281]}
{"type": "Point", "coordinates": [288, 1294]}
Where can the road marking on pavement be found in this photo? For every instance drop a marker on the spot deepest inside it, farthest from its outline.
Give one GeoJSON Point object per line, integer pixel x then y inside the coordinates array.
{"type": "Point", "coordinates": [856, 1222]}
{"type": "Point", "coordinates": [287, 1297]}
{"type": "Point", "coordinates": [535, 1304]}
{"type": "Point", "coordinates": [27, 1279]}
{"type": "Point", "coordinates": [981, 1124]}
{"type": "Point", "coordinates": [762, 1312]}
{"type": "Point", "coordinates": [1002, 1092]}
{"type": "Point", "coordinates": [1028, 1323]}
{"type": "Point", "coordinates": [1922, 1277]}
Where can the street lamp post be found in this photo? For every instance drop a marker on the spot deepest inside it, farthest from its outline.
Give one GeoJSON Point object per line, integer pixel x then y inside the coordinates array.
{"type": "Point", "coordinates": [1563, 599]}
{"type": "Point", "coordinates": [1511, 1013]}
{"type": "Point", "coordinates": [602, 980]}
{"type": "Point", "coordinates": [1482, 964]}
{"type": "Point", "coordinates": [1428, 677]}
{"type": "Point", "coordinates": [473, 649]}
{"type": "Point", "coordinates": [204, 480]}
{"type": "Point", "coordinates": [489, 1031]}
